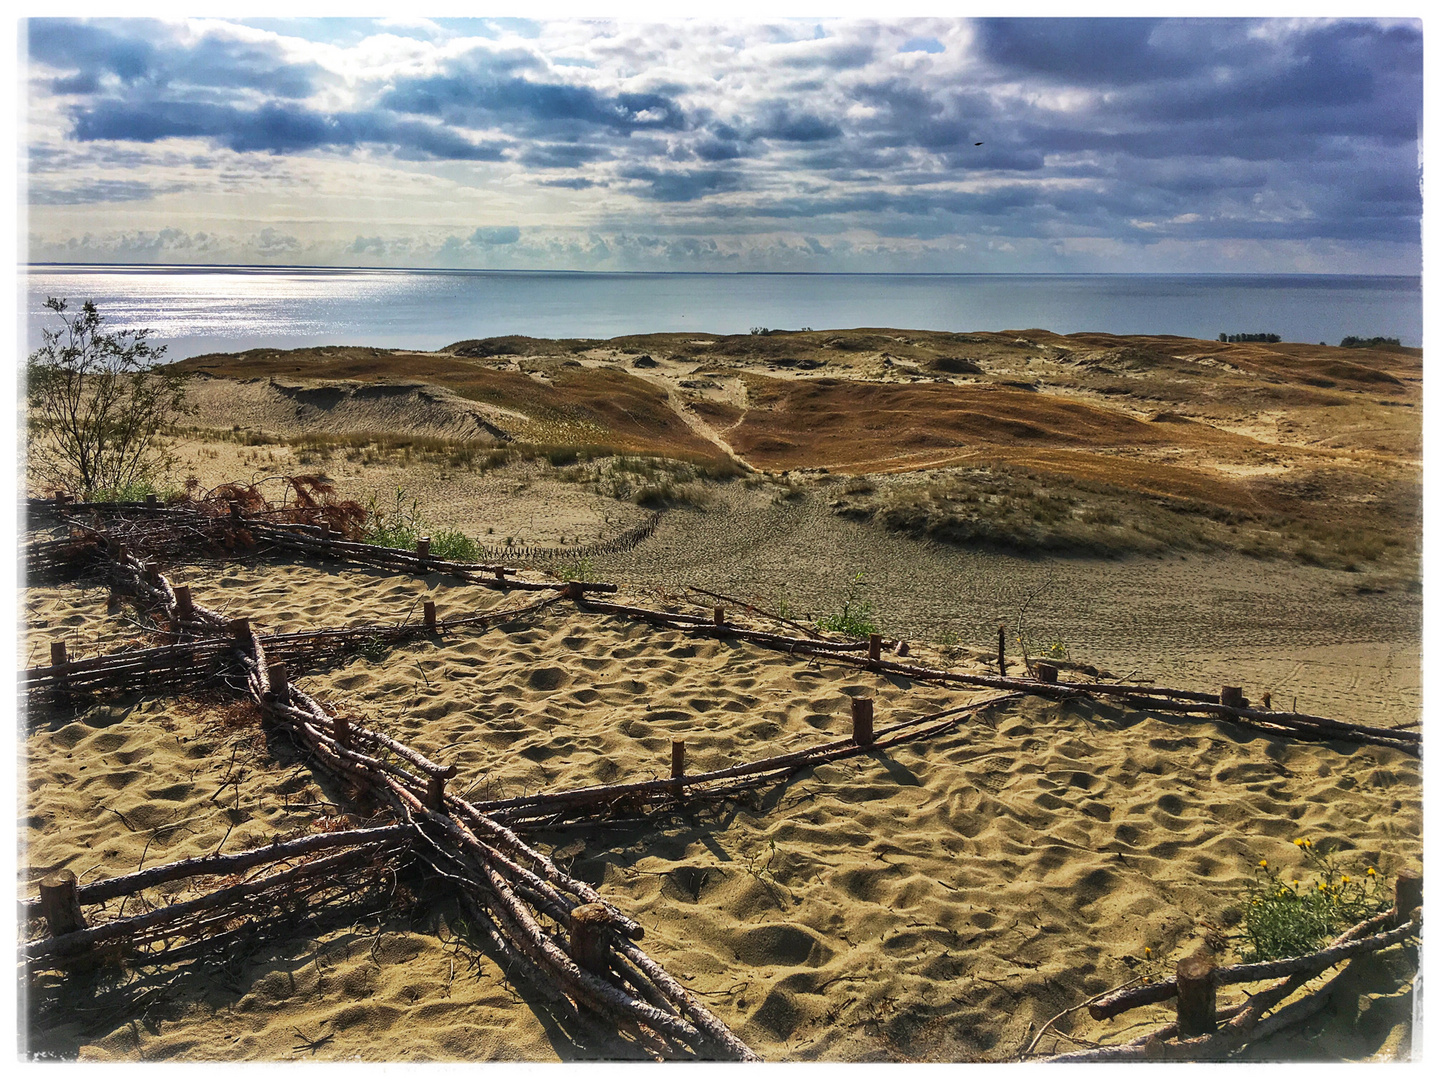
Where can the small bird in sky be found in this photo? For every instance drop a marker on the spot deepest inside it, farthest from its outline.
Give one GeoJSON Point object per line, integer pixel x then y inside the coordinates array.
{"type": "Point", "coordinates": [979, 144]}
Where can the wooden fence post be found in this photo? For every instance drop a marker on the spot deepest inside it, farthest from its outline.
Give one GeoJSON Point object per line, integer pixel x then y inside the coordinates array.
{"type": "Point", "coordinates": [60, 903]}
{"type": "Point", "coordinates": [280, 683]}
{"type": "Point", "coordinates": [862, 720]}
{"type": "Point", "coordinates": [422, 547]}
{"type": "Point", "coordinates": [719, 616]}
{"type": "Point", "coordinates": [151, 500]}
{"type": "Point", "coordinates": [342, 730]}
{"type": "Point", "coordinates": [430, 614]}
{"type": "Point", "coordinates": [184, 605]}
{"type": "Point", "coordinates": [677, 766]}
{"type": "Point", "coordinates": [435, 789]}
{"type": "Point", "coordinates": [1195, 984]}
{"type": "Point", "coordinates": [1407, 894]}
{"type": "Point", "coordinates": [875, 647]}
{"type": "Point", "coordinates": [1047, 673]}
{"type": "Point", "coordinates": [240, 630]}
{"type": "Point", "coordinates": [1233, 697]}
{"type": "Point", "coordinates": [590, 938]}
{"type": "Point", "coordinates": [1000, 651]}
{"type": "Point", "coordinates": [60, 658]}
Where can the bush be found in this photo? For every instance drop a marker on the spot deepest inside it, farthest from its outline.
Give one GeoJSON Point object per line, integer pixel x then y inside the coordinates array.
{"type": "Point", "coordinates": [96, 407]}
{"type": "Point", "coordinates": [856, 618]}
{"type": "Point", "coordinates": [1370, 343]}
{"type": "Point", "coordinates": [1280, 920]}
{"type": "Point", "coordinates": [403, 526]}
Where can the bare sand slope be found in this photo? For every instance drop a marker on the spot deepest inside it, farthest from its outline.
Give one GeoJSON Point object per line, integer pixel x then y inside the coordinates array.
{"type": "Point", "coordinates": [1304, 634]}
{"type": "Point", "coordinates": [937, 902]}
{"type": "Point", "coordinates": [301, 407]}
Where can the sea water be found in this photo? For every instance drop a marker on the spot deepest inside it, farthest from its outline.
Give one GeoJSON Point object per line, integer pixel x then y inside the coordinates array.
{"type": "Point", "coordinates": [195, 310]}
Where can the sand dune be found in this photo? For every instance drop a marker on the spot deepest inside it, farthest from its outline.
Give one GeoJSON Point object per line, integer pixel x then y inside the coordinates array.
{"type": "Point", "coordinates": [937, 902]}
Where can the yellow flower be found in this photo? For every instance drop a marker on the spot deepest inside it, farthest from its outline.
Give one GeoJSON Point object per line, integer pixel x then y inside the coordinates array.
{"type": "Point", "coordinates": [1147, 950]}
{"type": "Point", "coordinates": [1344, 879]}
{"type": "Point", "coordinates": [1371, 871]}
{"type": "Point", "coordinates": [1264, 863]}
{"type": "Point", "coordinates": [1322, 886]}
{"type": "Point", "coordinates": [1300, 843]}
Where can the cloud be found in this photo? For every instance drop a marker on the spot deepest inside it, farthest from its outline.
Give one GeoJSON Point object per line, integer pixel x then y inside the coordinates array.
{"type": "Point", "coordinates": [483, 89]}
{"type": "Point", "coordinates": [489, 236]}
{"type": "Point", "coordinates": [134, 58]}
{"type": "Point", "coordinates": [682, 185]}
{"type": "Point", "coordinates": [99, 191]}
{"type": "Point", "coordinates": [1021, 131]}
{"type": "Point", "coordinates": [274, 128]}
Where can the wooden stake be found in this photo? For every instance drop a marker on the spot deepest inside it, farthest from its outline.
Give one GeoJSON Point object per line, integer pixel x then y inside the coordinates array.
{"type": "Point", "coordinates": [1233, 697]}
{"type": "Point", "coordinates": [677, 765]}
{"type": "Point", "coordinates": [430, 614]}
{"type": "Point", "coordinates": [903, 649]}
{"type": "Point", "coordinates": [590, 937]}
{"type": "Point", "coordinates": [1407, 894]}
{"type": "Point", "coordinates": [1000, 652]}
{"type": "Point", "coordinates": [575, 590]}
{"type": "Point", "coordinates": [280, 683]}
{"type": "Point", "coordinates": [500, 575]}
{"type": "Point", "coordinates": [422, 547]}
{"type": "Point", "coordinates": [60, 903]}
{"type": "Point", "coordinates": [234, 509]}
{"type": "Point", "coordinates": [60, 658]}
{"type": "Point", "coordinates": [151, 500]}
{"type": "Point", "coordinates": [152, 573]}
{"type": "Point", "coordinates": [342, 731]}
{"type": "Point", "coordinates": [240, 629]}
{"type": "Point", "coordinates": [874, 646]}
{"type": "Point", "coordinates": [862, 720]}
{"type": "Point", "coordinates": [1047, 673]}
{"type": "Point", "coordinates": [719, 616]}
{"type": "Point", "coordinates": [184, 606]}
{"type": "Point", "coordinates": [1195, 983]}
{"type": "Point", "coordinates": [435, 790]}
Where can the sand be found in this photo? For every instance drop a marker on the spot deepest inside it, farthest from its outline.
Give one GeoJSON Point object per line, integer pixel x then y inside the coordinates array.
{"type": "Point", "coordinates": [938, 902]}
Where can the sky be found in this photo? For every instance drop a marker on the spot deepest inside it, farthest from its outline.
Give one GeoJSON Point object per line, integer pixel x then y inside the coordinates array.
{"type": "Point", "coordinates": [829, 145]}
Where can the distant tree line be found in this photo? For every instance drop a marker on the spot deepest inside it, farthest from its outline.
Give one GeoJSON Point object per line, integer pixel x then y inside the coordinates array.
{"type": "Point", "coordinates": [1370, 343]}
{"type": "Point", "coordinates": [1250, 337]}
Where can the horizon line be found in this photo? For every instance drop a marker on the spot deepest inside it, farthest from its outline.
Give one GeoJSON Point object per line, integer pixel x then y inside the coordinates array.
{"type": "Point", "coordinates": [699, 273]}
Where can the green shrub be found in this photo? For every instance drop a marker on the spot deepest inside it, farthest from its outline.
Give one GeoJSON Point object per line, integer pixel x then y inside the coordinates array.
{"type": "Point", "coordinates": [1282, 919]}
{"type": "Point", "coordinates": [403, 526]}
{"type": "Point", "coordinates": [454, 545]}
{"type": "Point", "coordinates": [856, 618]}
